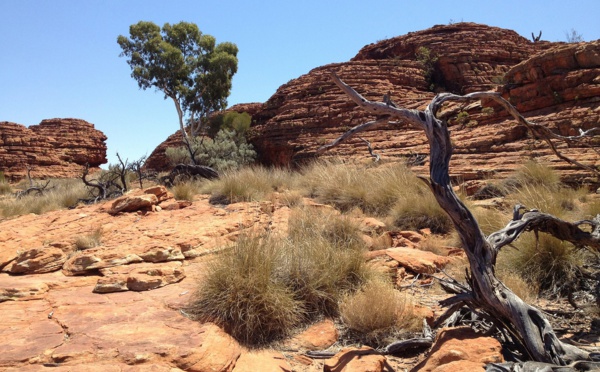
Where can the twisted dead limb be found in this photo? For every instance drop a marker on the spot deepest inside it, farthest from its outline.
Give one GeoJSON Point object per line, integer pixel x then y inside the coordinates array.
{"type": "Point", "coordinates": [526, 324]}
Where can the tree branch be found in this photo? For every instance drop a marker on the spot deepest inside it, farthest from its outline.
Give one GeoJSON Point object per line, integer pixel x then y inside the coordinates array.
{"type": "Point", "coordinates": [546, 223]}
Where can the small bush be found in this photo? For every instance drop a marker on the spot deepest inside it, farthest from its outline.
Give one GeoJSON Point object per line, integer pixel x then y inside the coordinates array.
{"type": "Point", "coordinates": [374, 190]}
{"type": "Point", "coordinates": [526, 291]}
{"type": "Point", "coordinates": [377, 306]}
{"type": "Point", "coordinates": [186, 190]}
{"type": "Point", "coordinates": [5, 188]}
{"type": "Point", "coordinates": [537, 174]}
{"type": "Point", "coordinates": [550, 263]}
{"type": "Point", "coordinates": [88, 241]}
{"type": "Point", "coordinates": [420, 211]}
{"type": "Point", "coordinates": [324, 259]}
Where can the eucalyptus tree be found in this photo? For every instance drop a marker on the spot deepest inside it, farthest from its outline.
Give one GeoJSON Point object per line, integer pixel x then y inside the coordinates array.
{"type": "Point", "coordinates": [189, 67]}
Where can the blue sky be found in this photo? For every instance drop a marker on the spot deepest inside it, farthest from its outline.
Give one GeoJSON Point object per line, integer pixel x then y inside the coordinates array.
{"type": "Point", "coordinates": [60, 58]}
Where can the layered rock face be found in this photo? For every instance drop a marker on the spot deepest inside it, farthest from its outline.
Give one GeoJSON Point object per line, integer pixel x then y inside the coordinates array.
{"type": "Point", "coordinates": [54, 148]}
{"type": "Point", "coordinates": [553, 84]}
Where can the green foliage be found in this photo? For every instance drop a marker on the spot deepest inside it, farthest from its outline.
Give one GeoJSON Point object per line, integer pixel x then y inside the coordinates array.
{"type": "Point", "coordinates": [232, 121]}
{"type": "Point", "coordinates": [228, 150]}
{"type": "Point", "coordinates": [263, 286]}
{"type": "Point", "coordinates": [429, 61]}
{"type": "Point", "coordinates": [186, 65]}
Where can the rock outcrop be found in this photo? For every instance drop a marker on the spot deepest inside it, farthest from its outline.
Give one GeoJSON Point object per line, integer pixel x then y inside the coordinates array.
{"type": "Point", "coordinates": [553, 84]}
{"type": "Point", "coordinates": [55, 148]}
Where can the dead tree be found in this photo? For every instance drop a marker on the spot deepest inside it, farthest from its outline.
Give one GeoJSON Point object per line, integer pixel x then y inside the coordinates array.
{"type": "Point", "coordinates": [106, 188]}
{"type": "Point", "coordinates": [188, 171]}
{"type": "Point", "coordinates": [33, 188]}
{"type": "Point", "coordinates": [525, 324]}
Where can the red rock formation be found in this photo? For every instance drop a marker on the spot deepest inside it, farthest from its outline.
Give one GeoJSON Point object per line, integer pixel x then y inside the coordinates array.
{"type": "Point", "coordinates": [554, 84]}
{"type": "Point", "coordinates": [53, 148]}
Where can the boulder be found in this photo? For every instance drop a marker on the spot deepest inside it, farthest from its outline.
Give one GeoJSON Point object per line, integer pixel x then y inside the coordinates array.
{"type": "Point", "coordinates": [139, 277]}
{"type": "Point", "coordinates": [417, 261]}
{"type": "Point", "coordinates": [461, 349]}
{"type": "Point", "coordinates": [352, 359]}
{"type": "Point", "coordinates": [133, 203]}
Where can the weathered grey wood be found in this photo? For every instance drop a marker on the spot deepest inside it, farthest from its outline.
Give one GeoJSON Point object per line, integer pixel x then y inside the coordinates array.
{"type": "Point", "coordinates": [524, 322]}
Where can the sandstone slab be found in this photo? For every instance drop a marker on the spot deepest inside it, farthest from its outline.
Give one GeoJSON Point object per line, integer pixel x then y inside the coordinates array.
{"type": "Point", "coordinates": [457, 348]}
{"type": "Point", "coordinates": [139, 277]}
{"type": "Point", "coordinates": [363, 359]}
{"type": "Point", "coordinates": [417, 261]}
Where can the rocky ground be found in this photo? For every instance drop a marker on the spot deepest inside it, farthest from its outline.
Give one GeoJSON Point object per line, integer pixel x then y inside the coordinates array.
{"type": "Point", "coordinates": [120, 306]}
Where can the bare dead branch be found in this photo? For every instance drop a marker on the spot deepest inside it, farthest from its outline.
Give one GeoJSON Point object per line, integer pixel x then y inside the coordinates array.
{"type": "Point", "coordinates": [542, 222]}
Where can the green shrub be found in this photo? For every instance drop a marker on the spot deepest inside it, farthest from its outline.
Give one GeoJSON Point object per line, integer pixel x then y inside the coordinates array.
{"type": "Point", "coordinates": [227, 150]}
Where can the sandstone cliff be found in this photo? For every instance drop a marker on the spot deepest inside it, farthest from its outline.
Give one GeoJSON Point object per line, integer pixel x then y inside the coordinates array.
{"type": "Point", "coordinates": [53, 148]}
{"type": "Point", "coordinates": [555, 84]}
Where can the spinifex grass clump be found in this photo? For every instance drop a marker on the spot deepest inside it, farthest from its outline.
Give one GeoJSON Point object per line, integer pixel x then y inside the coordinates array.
{"type": "Point", "coordinates": [264, 286]}
{"type": "Point", "coordinates": [378, 308]}
{"type": "Point", "coordinates": [248, 184]}
{"type": "Point", "coordinates": [390, 190]}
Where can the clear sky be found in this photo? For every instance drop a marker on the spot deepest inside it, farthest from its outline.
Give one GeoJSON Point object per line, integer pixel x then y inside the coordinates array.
{"type": "Point", "coordinates": [60, 58]}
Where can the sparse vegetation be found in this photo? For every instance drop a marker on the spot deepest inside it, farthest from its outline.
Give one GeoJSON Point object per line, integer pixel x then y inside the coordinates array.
{"type": "Point", "coordinates": [4, 185]}
{"type": "Point", "coordinates": [429, 61]}
{"type": "Point", "coordinates": [547, 262]}
{"type": "Point", "coordinates": [60, 194]}
{"type": "Point", "coordinates": [573, 36]}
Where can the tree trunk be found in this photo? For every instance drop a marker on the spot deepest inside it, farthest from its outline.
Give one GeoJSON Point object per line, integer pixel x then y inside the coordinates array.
{"type": "Point", "coordinates": [524, 322]}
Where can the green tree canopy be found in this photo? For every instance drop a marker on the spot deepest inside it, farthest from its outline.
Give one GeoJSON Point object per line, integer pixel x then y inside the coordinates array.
{"type": "Point", "coordinates": [187, 66]}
